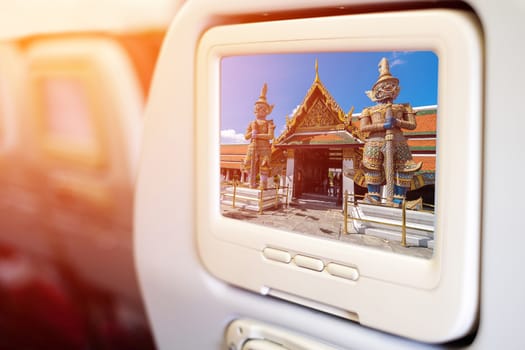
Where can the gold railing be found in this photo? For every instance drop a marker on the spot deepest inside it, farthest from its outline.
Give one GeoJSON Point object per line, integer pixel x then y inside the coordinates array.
{"type": "Point", "coordinates": [403, 224]}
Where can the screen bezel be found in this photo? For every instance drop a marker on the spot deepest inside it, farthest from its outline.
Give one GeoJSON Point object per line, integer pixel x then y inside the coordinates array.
{"type": "Point", "coordinates": [453, 270]}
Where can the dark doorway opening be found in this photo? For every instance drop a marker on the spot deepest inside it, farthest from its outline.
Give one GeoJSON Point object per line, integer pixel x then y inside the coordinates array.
{"type": "Point", "coordinates": [318, 174]}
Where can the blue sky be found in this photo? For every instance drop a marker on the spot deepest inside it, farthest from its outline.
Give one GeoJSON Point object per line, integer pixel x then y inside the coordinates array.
{"type": "Point", "coordinates": [346, 75]}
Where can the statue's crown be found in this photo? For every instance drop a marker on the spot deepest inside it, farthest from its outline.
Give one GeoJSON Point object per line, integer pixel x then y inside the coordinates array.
{"type": "Point", "coordinates": [384, 75]}
{"type": "Point", "coordinates": [262, 98]}
{"type": "Point", "coordinates": [384, 72]}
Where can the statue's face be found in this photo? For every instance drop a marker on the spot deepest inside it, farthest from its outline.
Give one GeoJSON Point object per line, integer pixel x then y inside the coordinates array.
{"type": "Point", "coordinates": [386, 90]}
{"type": "Point", "coordinates": [261, 110]}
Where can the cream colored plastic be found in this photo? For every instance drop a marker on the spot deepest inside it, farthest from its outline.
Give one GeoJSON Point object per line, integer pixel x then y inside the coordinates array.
{"type": "Point", "coordinates": [394, 293]}
{"type": "Point", "coordinates": [246, 334]}
{"type": "Point", "coordinates": [31, 17]}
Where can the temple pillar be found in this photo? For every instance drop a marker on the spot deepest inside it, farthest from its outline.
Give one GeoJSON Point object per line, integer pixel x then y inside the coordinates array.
{"type": "Point", "coordinates": [289, 180]}
{"type": "Point", "coordinates": [348, 166]}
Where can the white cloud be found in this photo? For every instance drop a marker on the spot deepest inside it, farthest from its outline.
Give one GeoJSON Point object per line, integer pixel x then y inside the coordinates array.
{"type": "Point", "coordinates": [397, 62]}
{"type": "Point", "coordinates": [295, 110]}
{"type": "Point", "coordinates": [232, 136]}
{"type": "Point", "coordinates": [396, 59]}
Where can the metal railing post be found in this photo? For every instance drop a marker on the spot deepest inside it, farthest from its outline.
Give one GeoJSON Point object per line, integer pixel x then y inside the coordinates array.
{"type": "Point", "coordinates": [277, 196]}
{"type": "Point", "coordinates": [261, 201]}
{"type": "Point", "coordinates": [234, 193]}
{"type": "Point", "coordinates": [404, 224]}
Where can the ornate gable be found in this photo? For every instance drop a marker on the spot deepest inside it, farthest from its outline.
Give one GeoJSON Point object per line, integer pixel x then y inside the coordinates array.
{"type": "Point", "coordinates": [319, 117]}
{"type": "Point", "coordinates": [319, 120]}
{"type": "Point", "coordinates": [317, 112]}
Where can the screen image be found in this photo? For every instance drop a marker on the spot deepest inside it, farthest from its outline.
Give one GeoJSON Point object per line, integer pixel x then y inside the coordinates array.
{"type": "Point", "coordinates": [338, 145]}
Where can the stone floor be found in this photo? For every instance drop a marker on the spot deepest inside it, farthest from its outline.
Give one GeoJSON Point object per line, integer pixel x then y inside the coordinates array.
{"type": "Point", "coordinates": [320, 219]}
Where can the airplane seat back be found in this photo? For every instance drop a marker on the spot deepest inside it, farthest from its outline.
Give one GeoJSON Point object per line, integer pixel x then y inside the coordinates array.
{"type": "Point", "coordinates": [86, 124]}
{"type": "Point", "coordinates": [191, 308]}
{"type": "Point", "coordinates": [20, 206]}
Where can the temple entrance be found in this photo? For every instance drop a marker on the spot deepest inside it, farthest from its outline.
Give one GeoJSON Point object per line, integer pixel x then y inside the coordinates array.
{"type": "Point", "coordinates": [318, 174]}
{"type": "Point", "coordinates": [426, 193]}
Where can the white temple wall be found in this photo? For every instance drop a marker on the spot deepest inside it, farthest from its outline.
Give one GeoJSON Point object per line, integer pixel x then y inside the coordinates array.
{"type": "Point", "coordinates": [348, 183]}
{"type": "Point", "coordinates": [290, 162]}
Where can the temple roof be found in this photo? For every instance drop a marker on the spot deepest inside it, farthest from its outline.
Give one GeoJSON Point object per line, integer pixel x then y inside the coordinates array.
{"type": "Point", "coordinates": [318, 114]}
{"type": "Point", "coordinates": [422, 141]}
{"type": "Point", "coordinates": [233, 155]}
{"type": "Point", "coordinates": [337, 137]}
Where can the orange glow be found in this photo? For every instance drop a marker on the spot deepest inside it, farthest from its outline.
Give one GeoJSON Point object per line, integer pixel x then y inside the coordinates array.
{"type": "Point", "coordinates": [70, 120]}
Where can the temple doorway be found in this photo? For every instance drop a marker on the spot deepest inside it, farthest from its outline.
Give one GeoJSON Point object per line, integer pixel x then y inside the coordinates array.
{"type": "Point", "coordinates": [318, 174]}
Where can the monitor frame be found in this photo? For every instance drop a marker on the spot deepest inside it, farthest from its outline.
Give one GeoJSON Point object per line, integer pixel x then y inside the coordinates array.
{"type": "Point", "coordinates": [445, 287]}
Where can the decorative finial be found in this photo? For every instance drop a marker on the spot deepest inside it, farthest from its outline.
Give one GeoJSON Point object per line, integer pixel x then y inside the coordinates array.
{"type": "Point", "coordinates": [316, 70]}
{"type": "Point", "coordinates": [348, 117]}
{"type": "Point", "coordinates": [350, 112]}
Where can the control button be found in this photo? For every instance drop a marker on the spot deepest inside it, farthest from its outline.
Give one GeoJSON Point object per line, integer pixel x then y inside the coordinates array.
{"type": "Point", "coordinates": [277, 255]}
{"type": "Point", "coordinates": [308, 262]}
{"type": "Point", "coordinates": [343, 271]}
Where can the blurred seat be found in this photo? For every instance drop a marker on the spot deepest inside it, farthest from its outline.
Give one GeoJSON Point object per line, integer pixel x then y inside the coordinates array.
{"type": "Point", "coordinates": [70, 124]}
{"type": "Point", "coordinates": [86, 126]}
{"type": "Point", "coordinates": [20, 206]}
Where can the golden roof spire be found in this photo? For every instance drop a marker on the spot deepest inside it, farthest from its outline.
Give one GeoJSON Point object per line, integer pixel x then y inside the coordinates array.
{"type": "Point", "coordinates": [316, 71]}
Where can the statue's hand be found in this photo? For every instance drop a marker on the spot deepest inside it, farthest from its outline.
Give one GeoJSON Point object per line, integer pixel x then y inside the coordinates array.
{"type": "Point", "coordinates": [389, 124]}
{"type": "Point", "coordinates": [254, 133]}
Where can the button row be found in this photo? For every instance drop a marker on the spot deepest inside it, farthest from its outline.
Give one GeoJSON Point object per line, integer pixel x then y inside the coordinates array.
{"type": "Point", "coordinates": [277, 255]}
{"type": "Point", "coordinates": [310, 263]}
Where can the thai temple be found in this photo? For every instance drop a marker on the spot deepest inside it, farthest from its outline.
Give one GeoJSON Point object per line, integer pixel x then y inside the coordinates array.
{"type": "Point", "coordinates": [320, 151]}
